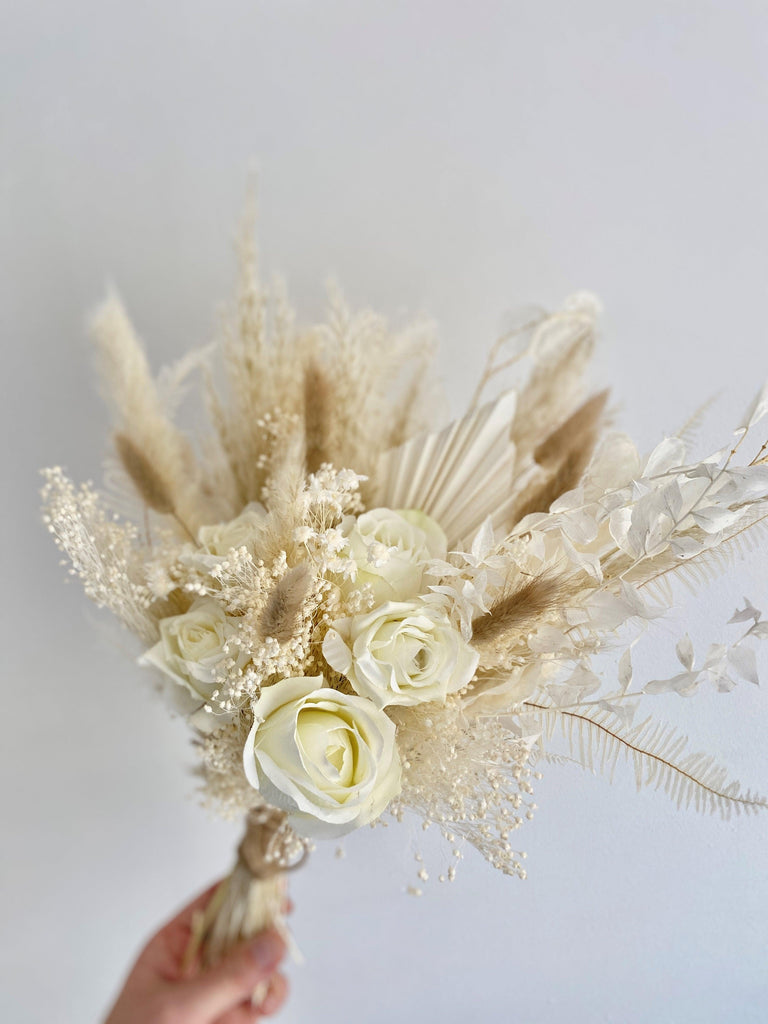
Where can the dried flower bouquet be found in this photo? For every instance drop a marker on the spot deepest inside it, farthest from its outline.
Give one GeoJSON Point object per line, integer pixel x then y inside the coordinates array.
{"type": "Point", "coordinates": [361, 613]}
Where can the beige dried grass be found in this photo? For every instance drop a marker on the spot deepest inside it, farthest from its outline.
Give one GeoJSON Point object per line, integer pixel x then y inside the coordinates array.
{"type": "Point", "coordinates": [156, 455]}
{"type": "Point", "coordinates": [279, 617]}
{"type": "Point", "coordinates": [562, 457]}
{"type": "Point", "coordinates": [553, 389]}
{"type": "Point", "coordinates": [519, 610]}
{"type": "Point", "coordinates": [319, 402]}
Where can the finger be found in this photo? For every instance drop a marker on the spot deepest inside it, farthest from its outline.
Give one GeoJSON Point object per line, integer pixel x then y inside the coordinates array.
{"type": "Point", "coordinates": [184, 917]}
{"type": "Point", "coordinates": [246, 1012]}
{"type": "Point", "coordinates": [164, 952]}
{"type": "Point", "coordinates": [223, 987]}
{"type": "Point", "coordinates": [276, 994]}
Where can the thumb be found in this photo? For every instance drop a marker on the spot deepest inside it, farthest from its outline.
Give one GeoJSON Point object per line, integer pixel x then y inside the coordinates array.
{"type": "Point", "coordinates": [231, 981]}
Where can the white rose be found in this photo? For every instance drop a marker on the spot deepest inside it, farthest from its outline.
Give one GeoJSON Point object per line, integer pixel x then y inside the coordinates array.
{"type": "Point", "coordinates": [391, 550]}
{"type": "Point", "coordinates": [404, 652]}
{"type": "Point", "coordinates": [220, 538]}
{"type": "Point", "coordinates": [328, 758]}
{"type": "Point", "coordinates": [191, 646]}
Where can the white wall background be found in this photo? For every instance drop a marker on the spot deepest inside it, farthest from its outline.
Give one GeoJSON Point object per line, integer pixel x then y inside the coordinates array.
{"type": "Point", "coordinates": [460, 159]}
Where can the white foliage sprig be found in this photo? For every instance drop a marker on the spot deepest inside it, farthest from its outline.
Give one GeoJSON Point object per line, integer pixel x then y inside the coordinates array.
{"type": "Point", "coordinates": [721, 662]}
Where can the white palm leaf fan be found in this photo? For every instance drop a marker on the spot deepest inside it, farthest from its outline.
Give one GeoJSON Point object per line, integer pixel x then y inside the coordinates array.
{"type": "Point", "coordinates": [460, 475]}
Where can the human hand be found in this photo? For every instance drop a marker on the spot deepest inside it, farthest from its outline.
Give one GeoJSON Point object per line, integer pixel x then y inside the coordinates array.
{"type": "Point", "coordinates": [159, 991]}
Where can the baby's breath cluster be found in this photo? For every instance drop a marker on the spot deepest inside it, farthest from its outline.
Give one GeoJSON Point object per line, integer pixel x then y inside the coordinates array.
{"type": "Point", "coordinates": [224, 787]}
{"type": "Point", "coordinates": [470, 777]}
{"type": "Point", "coordinates": [101, 550]}
{"type": "Point", "coordinates": [328, 496]}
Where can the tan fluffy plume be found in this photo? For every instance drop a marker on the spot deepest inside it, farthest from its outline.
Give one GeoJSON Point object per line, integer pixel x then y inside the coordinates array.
{"type": "Point", "coordinates": [556, 381]}
{"type": "Point", "coordinates": [278, 619]}
{"type": "Point", "coordinates": [155, 454]}
{"type": "Point", "coordinates": [519, 609]}
{"type": "Point", "coordinates": [562, 457]}
{"type": "Point", "coordinates": [318, 412]}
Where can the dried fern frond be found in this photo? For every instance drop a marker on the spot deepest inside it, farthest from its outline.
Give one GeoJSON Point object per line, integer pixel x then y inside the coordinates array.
{"type": "Point", "coordinates": [687, 432]}
{"type": "Point", "coordinates": [711, 563]}
{"type": "Point", "coordinates": [597, 738]}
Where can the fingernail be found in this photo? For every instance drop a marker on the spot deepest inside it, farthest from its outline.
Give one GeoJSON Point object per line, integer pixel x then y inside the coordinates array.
{"type": "Point", "coordinates": [267, 949]}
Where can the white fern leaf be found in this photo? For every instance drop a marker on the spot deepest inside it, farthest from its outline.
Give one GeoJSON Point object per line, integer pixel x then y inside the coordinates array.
{"type": "Point", "coordinates": [710, 563]}
{"type": "Point", "coordinates": [597, 739]}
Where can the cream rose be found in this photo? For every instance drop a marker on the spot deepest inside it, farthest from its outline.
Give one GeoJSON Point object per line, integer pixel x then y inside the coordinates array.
{"type": "Point", "coordinates": [391, 550]}
{"type": "Point", "coordinates": [191, 646]}
{"type": "Point", "coordinates": [219, 538]}
{"type": "Point", "coordinates": [328, 758]}
{"type": "Point", "coordinates": [404, 652]}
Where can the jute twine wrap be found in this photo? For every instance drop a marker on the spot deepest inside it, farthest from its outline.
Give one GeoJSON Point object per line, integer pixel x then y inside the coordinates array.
{"type": "Point", "coordinates": [253, 897]}
{"type": "Point", "coordinates": [269, 846]}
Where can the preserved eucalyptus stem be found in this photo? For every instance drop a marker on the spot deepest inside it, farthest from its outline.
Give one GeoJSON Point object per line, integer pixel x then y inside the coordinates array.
{"type": "Point", "coordinates": [253, 896]}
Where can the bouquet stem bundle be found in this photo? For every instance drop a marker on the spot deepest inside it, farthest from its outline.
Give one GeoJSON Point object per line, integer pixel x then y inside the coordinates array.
{"type": "Point", "coordinates": [254, 895]}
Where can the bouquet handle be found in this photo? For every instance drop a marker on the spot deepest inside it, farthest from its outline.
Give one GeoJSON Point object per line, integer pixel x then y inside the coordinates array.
{"type": "Point", "coordinates": [254, 895]}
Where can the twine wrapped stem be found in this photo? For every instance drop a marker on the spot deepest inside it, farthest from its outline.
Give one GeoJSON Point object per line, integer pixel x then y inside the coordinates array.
{"type": "Point", "coordinates": [253, 896]}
